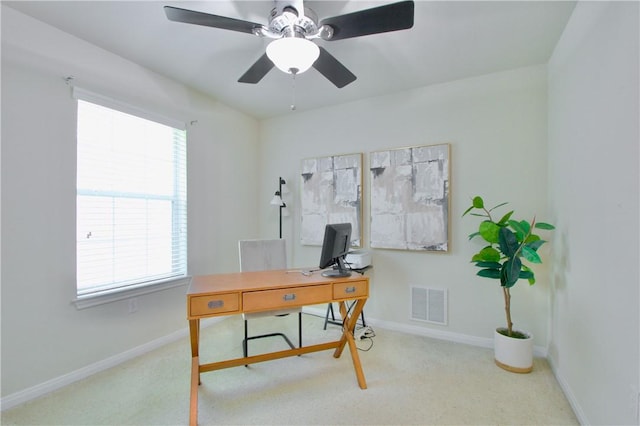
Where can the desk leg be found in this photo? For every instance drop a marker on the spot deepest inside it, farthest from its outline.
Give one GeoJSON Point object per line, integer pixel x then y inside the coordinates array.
{"type": "Point", "coordinates": [193, 405]}
{"type": "Point", "coordinates": [194, 331]}
{"type": "Point", "coordinates": [347, 337]}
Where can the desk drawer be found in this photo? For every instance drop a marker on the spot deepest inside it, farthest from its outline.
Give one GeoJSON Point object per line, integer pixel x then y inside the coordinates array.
{"type": "Point", "coordinates": [265, 300]}
{"type": "Point", "coordinates": [214, 304]}
{"type": "Point", "coordinates": [350, 290]}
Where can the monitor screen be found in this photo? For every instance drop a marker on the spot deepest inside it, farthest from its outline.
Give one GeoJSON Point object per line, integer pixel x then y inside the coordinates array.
{"type": "Point", "coordinates": [335, 245]}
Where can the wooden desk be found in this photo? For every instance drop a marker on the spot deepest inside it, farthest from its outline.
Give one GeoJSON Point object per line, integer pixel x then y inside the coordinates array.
{"type": "Point", "coordinates": [244, 292]}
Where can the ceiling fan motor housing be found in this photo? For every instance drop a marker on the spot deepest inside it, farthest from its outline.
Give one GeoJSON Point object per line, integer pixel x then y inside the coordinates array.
{"type": "Point", "coordinates": [287, 22]}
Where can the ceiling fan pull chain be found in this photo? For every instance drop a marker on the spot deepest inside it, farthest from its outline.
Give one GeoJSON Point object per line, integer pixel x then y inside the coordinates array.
{"type": "Point", "coordinates": [293, 91]}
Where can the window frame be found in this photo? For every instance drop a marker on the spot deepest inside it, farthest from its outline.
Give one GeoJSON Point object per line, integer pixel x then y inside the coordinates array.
{"type": "Point", "coordinates": [108, 295]}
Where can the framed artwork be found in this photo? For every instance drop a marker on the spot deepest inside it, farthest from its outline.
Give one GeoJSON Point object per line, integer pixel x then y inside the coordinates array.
{"type": "Point", "coordinates": [331, 193]}
{"type": "Point", "coordinates": [410, 198]}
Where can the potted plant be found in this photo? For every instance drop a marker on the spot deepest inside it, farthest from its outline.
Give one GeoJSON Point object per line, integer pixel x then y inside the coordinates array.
{"type": "Point", "coordinates": [509, 242]}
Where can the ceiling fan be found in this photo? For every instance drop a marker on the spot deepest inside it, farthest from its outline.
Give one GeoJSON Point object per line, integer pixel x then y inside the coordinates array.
{"type": "Point", "coordinates": [292, 26]}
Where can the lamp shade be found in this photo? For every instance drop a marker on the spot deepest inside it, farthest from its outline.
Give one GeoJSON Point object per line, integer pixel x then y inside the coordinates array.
{"type": "Point", "coordinates": [293, 55]}
{"type": "Point", "coordinates": [276, 200]}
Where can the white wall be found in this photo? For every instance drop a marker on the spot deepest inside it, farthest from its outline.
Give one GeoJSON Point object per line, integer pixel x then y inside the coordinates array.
{"type": "Point", "coordinates": [43, 335]}
{"type": "Point", "coordinates": [594, 181]}
{"type": "Point", "coordinates": [592, 184]}
{"type": "Point", "coordinates": [496, 125]}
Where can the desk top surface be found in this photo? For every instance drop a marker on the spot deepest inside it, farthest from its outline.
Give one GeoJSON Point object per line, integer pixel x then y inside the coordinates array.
{"type": "Point", "coordinates": [261, 280]}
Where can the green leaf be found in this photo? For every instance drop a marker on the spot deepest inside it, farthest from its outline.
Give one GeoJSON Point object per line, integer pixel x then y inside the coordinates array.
{"type": "Point", "coordinates": [489, 231]}
{"type": "Point", "coordinates": [467, 211]}
{"type": "Point", "coordinates": [519, 229]}
{"type": "Point", "coordinates": [489, 273]}
{"type": "Point", "coordinates": [532, 238]}
{"type": "Point", "coordinates": [499, 205]}
{"type": "Point", "coordinates": [487, 254]}
{"type": "Point", "coordinates": [547, 226]}
{"type": "Point", "coordinates": [528, 274]}
{"type": "Point", "coordinates": [490, 265]}
{"type": "Point", "coordinates": [510, 272]}
{"type": "Point", "coordinates": [478, 202]}
{"type": "Point", "coordinates": [475, 234]}
{"type": "Point", "coordinates": [535, 244]}
{"type": "Point", "coordinates": [530, 254]}
{"type": "Point", "coordinates": [508, 242]}
{"type": "Point", "coordinates": [505, 218]}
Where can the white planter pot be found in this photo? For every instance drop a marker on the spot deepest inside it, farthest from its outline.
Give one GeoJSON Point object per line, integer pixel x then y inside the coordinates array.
{"type": "Point", "coordinates": [511, 354]}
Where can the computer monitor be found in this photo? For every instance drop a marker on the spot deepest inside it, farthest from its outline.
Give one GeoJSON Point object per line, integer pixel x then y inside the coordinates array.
{"type": "Point", "coordinates": [336, 243]}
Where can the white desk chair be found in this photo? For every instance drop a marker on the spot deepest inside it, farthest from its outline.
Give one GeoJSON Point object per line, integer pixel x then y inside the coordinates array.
{"type": "Point", "coordinates": [264, 255]}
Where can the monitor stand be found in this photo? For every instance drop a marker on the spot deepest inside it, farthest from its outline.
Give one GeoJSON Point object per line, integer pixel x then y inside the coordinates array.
{"type": "Point", "coordinates": [341, 272]}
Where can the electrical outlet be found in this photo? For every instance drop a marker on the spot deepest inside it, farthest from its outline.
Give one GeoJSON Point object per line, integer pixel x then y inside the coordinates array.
{"type": "Point", "coordinates": [133, 305]}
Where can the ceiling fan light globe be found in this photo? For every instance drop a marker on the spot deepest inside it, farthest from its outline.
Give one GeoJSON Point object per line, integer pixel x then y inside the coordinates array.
{"type": "Point", "coordinates": [293, 55]}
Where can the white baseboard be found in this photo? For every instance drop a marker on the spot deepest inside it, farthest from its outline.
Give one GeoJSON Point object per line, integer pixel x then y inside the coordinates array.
{"type": "Point", "coordinates": [568, 393]}
{"type": "Point", "coordinates": [59, 382]}
{"type": "Point", "coordinates": [427, 332]}
{"type": "Point", "coordinates": [41, 389]}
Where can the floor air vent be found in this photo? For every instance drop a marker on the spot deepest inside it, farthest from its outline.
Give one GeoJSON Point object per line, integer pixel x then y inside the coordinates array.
{"type": "Point", "coordinates": [429, 304]}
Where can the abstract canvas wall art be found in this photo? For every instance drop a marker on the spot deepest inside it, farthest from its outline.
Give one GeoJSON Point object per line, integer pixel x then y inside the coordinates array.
{"type": "Point", "coordinates": [410, 198]}
{"type": "Point", "coordinates": [331, 193]}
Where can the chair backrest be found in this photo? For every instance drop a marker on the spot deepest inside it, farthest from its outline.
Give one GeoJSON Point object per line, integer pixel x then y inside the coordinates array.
{"type": "Point", "coordinates": [262, 255]}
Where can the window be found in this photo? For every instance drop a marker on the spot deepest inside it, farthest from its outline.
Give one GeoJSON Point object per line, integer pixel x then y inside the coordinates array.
{"type": "Point", "coordinates": [131, 200]}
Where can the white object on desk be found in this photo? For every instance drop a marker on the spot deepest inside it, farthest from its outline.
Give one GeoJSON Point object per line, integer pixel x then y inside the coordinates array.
{"type": "Point", "coordinates": [358, 259]}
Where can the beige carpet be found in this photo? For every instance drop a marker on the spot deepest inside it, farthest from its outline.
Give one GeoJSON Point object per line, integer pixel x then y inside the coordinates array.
{"type": "Point", "coordinates": [411, 380]}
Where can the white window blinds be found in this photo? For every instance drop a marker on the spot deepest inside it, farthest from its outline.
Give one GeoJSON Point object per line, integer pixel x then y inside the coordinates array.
{"type": "Point", "coordinates": [131, 199]}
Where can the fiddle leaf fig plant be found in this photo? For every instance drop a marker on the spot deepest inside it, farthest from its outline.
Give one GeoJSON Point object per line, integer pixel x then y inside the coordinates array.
{"type": "Point", "coordinates": [509, 242]}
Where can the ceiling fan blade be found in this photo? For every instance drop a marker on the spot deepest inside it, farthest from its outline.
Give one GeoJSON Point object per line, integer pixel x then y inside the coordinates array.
{"type": "Point", "coordinates": [258, 70]}
{"type": "Point", "coordinates": [332, 69]}
{"type": "Point", "coordinates": [199, 18]}
{"type": "Point", "coordinates": [391, 17]}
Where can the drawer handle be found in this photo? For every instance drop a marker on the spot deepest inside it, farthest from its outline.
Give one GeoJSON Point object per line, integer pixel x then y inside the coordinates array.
{"type": "Point", "coordinates": [288, 297]}
{"type": "Point", "coordinates": [215, 304]}
{"type": "Point", "coordinates": [350, 290]}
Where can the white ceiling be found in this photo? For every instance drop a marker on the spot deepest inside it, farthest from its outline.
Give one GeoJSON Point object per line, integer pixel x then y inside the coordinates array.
{"type": "Point", "coordinates": [450, 40]}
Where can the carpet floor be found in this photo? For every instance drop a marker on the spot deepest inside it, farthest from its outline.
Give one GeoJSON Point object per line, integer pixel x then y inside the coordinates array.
{"type": "Point", "coordinates": [411, 380]}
